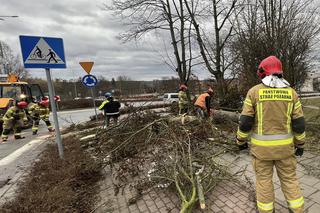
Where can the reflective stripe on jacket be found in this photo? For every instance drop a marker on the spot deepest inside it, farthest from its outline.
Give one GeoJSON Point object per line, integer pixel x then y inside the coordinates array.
{"type": "Point", "coordinates": [12, 112]}
{"type": "Point", "coordinates": [201, 100]}
{"type": "Point", "coordinates": [273, 110]}
{"type": "Point", "coordinates": [103, 104]}
{"type": "Point", "coordinates": [42, 111]}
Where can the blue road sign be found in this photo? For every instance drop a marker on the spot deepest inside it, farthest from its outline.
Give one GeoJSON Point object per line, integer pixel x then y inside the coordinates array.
{"type": "Point", "coordinates": [89, 80]}
{"type": "Point", "coordinates": [42, 52]}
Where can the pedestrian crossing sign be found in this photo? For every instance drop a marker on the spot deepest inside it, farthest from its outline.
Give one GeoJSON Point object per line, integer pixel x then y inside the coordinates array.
{"type": "Point", "coordinates": [42, 52]}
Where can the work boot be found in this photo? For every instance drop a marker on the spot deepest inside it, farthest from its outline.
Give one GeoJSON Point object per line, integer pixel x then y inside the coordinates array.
{"type": "Point", "coordinates": [34, 133]}
{"type": "Point", "coordinates": [18, 137]}
{"type": "Point", "coordinates": [51, 130]}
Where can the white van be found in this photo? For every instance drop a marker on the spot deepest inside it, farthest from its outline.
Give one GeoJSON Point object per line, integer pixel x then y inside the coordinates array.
{"type": "Point", "coordinates": [171, 98]}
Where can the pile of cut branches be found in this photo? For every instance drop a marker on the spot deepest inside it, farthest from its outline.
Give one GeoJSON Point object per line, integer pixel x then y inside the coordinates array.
{"type": "Point", "coordinates": [146, 150]}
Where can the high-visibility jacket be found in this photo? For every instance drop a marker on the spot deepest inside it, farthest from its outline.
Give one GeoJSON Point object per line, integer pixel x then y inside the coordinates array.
{"type": "Point", "coordinates": [39, 111]}
{"type": "Point", "coordinates": [201, 101]}
{"type": "Point", "coordinates": [183, 98]}
{"type": "Point", "coordinates": [14, 113]}
{"type": "Point", "coordinates": [101, 107]}
{"type": "Point", "coordinates": [273, 117]}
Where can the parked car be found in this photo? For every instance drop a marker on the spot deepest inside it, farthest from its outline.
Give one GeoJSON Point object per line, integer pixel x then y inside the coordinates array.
{"type": "Point", "coordinates": [171, 98]}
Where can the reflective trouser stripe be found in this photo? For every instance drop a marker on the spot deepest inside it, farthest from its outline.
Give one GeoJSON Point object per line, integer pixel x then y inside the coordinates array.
{"type": "Point", "coordinates": [5, 133]}
{"type": "Point", "coordinates": [260, 118]}
{"type": "Point", "coordinates": [265, 206]}
{"type": "Point", "coordinates": [35, 128]}
{"type": "Point", "coordinates": [289, 111]}
{"type": "Point", "coordinates": [294, 204]}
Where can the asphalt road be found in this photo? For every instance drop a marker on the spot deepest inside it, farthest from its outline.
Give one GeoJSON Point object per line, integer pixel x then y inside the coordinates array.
{"type": "Point", "coordinates": [66, 118]}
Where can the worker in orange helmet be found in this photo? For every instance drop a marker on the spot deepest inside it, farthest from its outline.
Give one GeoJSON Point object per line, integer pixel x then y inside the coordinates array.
{"type": "Point", "coordinates": [272, 116]}
{"type": "Point", "coordinates": [40, 111]}
{"type": "Point", "coordinates": [203, 104]}
{"type": "Point", "coordinates": [13, 119]}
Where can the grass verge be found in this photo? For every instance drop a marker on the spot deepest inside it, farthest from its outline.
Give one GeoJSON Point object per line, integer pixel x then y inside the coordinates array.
{"type": "Point", "coordinates": [56, 185]}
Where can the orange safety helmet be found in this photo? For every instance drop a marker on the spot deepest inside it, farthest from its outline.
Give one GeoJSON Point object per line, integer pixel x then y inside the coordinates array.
{"type": "Point", "coordinates": [183, 87]}
{"type": "Point", "coordinates": [269, 66]}
{"type": "Point", "coordinates": [22, 104]}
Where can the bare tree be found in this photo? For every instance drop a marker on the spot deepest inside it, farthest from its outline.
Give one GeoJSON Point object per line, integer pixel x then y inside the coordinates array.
{"type": "Point", "coordinates": [10, 63]}
{"type": "Point", "coordinates": [145, 16]}
{"type": "Point", "coordinates": [214, 50]}
{"type": "Point", "coordinates": [285, 28]}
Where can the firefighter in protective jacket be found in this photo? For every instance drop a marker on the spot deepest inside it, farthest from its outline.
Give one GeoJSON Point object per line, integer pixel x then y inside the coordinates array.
{"type": "Point", "coordinates": [183, 99]}
{"type": "Point", "coordinates": [272, 116]}
{"type": "Point", "coordinates": [13, 119]}
{"type": "Point", "coordinates": [111, 109]}
{"type": "Point", "coordinates": [40, 111]}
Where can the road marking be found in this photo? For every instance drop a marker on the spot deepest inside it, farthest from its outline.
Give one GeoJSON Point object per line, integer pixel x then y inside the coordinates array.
{"type": "Point", "coordinates": [14, 155]}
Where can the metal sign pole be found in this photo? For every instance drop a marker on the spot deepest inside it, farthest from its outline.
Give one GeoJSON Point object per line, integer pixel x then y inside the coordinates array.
{"type": "Point", "coordinates": [94, 103]}
{"type": "Point", "coordinates": [55, 115]}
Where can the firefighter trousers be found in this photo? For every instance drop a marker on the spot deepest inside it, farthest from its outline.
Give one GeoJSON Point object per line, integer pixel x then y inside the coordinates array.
{"type": "Point", "coordinates": [36, 121]}
{"type": "Point", "coordinates": [16, 125]}
{"type": "Point", "coordinates": [286, 170]}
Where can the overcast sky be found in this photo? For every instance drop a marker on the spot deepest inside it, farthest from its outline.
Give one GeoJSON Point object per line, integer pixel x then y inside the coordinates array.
{"type": "Point", "coordinates": [89, 33]}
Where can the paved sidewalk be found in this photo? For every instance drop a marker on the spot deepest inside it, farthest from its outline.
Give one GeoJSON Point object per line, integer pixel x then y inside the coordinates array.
{"type": "Point", "coordinates": [310, 185]}
{"type": "Point", "coordinates": [227, 197]}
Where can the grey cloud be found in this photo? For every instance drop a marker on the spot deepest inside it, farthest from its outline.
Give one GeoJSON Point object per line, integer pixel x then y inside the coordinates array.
{"type": "Point", "coordinates": [89, 33]}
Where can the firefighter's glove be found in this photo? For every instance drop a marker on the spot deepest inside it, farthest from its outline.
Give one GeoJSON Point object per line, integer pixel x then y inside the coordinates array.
{"type": "Point", "coordinates": [299, 151]}
{"type": "Point", "coordinates": [242, 144]}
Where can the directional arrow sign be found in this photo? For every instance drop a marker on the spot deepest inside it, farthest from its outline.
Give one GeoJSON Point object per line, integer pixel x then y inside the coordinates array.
{"type": "Point", "coordinates": [89, 80]}
{"type": "Point", "coordinates": [87, 65]}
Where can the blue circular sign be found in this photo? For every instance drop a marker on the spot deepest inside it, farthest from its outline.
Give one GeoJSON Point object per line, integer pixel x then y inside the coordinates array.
{"type": "Point", "coordinates": [89, 80]}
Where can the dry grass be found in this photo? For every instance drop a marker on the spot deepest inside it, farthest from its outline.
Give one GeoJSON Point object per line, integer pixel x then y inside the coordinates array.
{"type": "Point", "coordinates": [56, 185]}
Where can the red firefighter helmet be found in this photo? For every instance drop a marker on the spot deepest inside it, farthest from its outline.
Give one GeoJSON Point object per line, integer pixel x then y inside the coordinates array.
{"type": "Point", "coordinates": [44, 102]}
{"type": "Point", "coordinates": [269, 66]}
{"type": "Point", "coordinates": [22, 104]}
{"type": "Point", "coordinates": [183, 87]}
